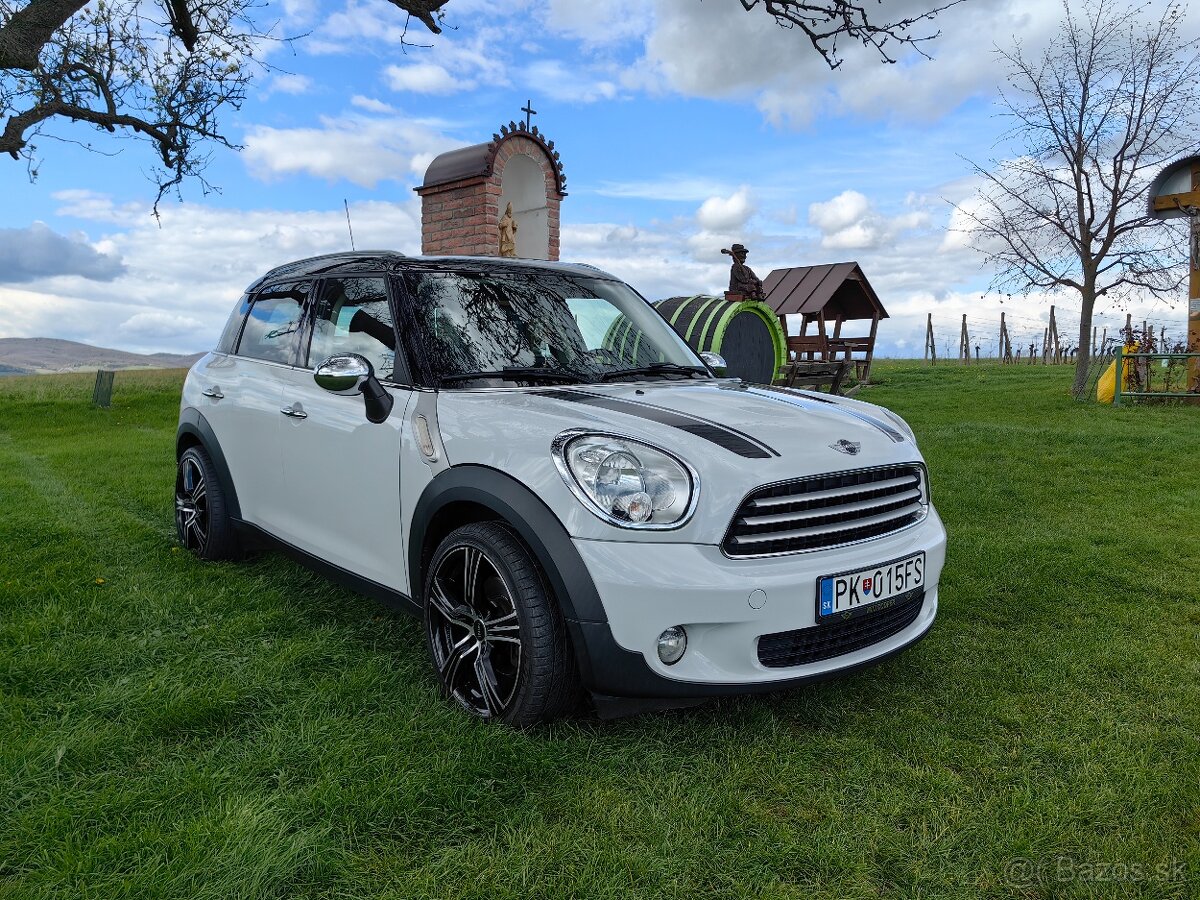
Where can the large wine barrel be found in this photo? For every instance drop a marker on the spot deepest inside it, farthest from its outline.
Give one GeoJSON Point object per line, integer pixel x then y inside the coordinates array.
{"type": "Point", "coordinates": [747, 333]}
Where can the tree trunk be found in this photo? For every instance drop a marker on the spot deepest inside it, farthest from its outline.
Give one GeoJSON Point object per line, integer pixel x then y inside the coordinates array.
{"type": "Point", "coordinates": [1084, 357]}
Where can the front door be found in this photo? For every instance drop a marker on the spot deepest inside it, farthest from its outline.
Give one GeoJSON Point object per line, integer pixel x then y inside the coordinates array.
{"type": "Point", "coordinates": [342, 472]}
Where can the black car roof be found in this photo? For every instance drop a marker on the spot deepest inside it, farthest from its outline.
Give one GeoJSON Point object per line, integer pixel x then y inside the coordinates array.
{"type": "Point", "coordinates": [363, 261]}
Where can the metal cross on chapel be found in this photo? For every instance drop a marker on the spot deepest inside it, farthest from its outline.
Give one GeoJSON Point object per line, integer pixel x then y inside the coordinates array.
{"type": "Point", "coordinates": [529, 111]}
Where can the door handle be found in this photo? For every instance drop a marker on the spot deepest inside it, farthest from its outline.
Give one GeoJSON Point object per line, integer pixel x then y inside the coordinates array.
{"type": "Point", "coordinates": [214, 392]}
{"type": "Point", "coordinates": [294, 413]}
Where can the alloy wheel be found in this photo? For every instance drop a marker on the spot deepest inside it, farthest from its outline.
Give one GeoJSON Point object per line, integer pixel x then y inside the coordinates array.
{"type": "Point", "coordinates": [191, 505]}
{"type": "Point", "coordinates": [474, 631]}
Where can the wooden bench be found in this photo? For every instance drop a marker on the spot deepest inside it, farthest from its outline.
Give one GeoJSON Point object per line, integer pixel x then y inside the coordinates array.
{"type": "Point", "coordinates": [814, 374]}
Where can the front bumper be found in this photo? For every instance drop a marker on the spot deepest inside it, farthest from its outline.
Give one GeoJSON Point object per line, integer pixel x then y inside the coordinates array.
{"type": "Point", "coordinates": [647, 587]}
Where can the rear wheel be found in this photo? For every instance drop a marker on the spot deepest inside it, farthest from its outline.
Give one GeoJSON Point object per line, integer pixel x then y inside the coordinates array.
{"type": "Point", "coordinates": [202, 521]}
{"type": "Point", "coordinates": [496, 637]}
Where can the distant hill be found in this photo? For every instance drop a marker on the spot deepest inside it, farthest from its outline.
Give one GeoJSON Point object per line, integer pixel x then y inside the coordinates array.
{"type": "Point", "coordinates": [31, 356]}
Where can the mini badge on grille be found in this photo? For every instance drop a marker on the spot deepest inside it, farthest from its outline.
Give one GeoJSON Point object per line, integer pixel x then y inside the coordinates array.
{"type": "Point", "coordinates": [850, 448]}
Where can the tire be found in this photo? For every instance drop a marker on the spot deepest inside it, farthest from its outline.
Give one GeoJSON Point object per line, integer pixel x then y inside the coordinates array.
{"type": "Point", "coordinates": [202, 522]}
{"type": "Point", "coordinates": [495, 634]}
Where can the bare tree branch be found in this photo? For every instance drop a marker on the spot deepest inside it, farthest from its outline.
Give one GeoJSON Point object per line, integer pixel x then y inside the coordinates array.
{"type": "Point", "coordinates": [824, 21]}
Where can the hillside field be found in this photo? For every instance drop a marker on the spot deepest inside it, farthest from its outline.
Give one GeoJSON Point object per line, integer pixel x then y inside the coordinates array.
{"type": "Point", "coordinates": [175, 729]}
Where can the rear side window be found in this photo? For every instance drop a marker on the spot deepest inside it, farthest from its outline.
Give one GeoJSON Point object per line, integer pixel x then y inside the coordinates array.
{"type": "Point", "coordinates": [234, 326]}
{"type": "Point", "coordinates": [274, 320]}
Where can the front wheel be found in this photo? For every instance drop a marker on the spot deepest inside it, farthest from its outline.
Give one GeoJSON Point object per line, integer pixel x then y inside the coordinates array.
{"type": "Point", "coordinates": [496, 636]}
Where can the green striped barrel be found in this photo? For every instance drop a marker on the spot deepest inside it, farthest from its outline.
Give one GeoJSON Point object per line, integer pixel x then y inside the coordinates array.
{"type": "Point", "coordinates": [747, 334]}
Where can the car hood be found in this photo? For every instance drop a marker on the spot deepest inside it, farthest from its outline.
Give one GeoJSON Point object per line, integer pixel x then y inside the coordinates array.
{"type": "Point", "coordinates": [736, 436]}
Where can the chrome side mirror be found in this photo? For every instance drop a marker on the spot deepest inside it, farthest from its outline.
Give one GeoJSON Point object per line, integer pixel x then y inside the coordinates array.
{"type": "Point", "coordinates": [715, 362]}
{"type": "Point", "coordinates": [353, 374]}
{"type": "Point", "coordinates": [344, 374]}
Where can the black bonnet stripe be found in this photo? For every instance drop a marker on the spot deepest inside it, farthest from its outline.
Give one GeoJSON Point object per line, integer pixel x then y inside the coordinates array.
{"type": "Point", "coordinates": [721, 435]}
{"type": "Point", "coordinates": [801, 399]}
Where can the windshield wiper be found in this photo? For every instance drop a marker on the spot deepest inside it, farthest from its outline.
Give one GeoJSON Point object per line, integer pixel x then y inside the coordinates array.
{"type": "Point", "coordinates": [518, 373]}
{"type": "Point", "coordinates": [656, 369]}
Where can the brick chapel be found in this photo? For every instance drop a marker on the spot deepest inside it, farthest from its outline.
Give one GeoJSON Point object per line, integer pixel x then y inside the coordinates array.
{"type": "Point", "coordinates": [466, 191]}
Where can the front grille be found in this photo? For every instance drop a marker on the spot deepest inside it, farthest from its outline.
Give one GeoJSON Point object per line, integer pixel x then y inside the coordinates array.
{"type": "Point", "coordinates": [827, 511]}
{"type": "Point", "coordinates": [809, 645]}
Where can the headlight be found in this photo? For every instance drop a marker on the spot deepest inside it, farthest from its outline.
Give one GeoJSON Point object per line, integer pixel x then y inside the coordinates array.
{"type": "Point", "coordinates": [626, 482]}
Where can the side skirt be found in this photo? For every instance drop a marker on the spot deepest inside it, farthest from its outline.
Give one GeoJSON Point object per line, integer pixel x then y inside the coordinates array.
{"type": "Point", "coordinates": [253, 537]}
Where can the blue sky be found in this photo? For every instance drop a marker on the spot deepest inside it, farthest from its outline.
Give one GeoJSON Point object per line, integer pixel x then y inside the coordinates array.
{"type": "Point", "coordinates": [684, 125]}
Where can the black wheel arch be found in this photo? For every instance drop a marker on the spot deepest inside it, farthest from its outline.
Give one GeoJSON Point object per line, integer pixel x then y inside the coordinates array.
{"type": "Point", "coordinates": [468, 493]}
{"type": "Point", "coordinates": [194, 431]}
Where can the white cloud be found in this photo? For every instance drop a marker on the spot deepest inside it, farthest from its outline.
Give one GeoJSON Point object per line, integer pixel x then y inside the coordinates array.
{"type": "Point", "coordinates": [690, 50]}
{"type": "Point", "coordinates": [353, 147]}
{"type": "Point", "coordinates": [370, 104]}
{"type": "Point", "coordinates": [670, 187]}
{"type": "Point", "coordinates": [424, 78]}
{"type": "Point", "coordinates": [850, 222]}
{"type": "Point", "coordinates": [573, 84]}
{"type": "Point", "coordinates": [599, 21]}
{"type": "Point", "coordinates": [160, 325]}
{"type": "Point", "coordinates": [183, 278]}
{"type": "Point", "coordinates": [726, 213]}
{"type": "Point", "coordinates": [287, 83]}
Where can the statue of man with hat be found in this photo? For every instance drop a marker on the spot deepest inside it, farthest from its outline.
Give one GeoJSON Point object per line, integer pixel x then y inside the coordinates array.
{"type": "Point", "coordinates": [742, 279]}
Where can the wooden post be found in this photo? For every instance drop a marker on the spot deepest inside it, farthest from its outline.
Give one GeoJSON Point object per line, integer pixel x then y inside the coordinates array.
{"type": "Point", "coordinates": [102, 392]}
{"type": "Point", "coordinates": [977, 353]}
{"type": "Point", "coordinates": [1127, 337]}
{"type": "Point", "coordinates": [964, 343]}
{"type": "Point", "coordinates": [930, 344]}
{"type": "Point", "coordinates": [1193, 333]}
{"type": "Point", "coordinates": [1094, 350]}
{"type": "Point", "coordinates": [1054, 337]}
{"type": "Point", "coordinates": [1120, 376]}
{"type": "Point", "coordinates": [1000, 344]}
{"type": "Point", "coordinates": [1045, 344]}
{"type": "Point", "coordinates": [866, 375]}
{"type": "Point", "coordinates": [1103, 338]}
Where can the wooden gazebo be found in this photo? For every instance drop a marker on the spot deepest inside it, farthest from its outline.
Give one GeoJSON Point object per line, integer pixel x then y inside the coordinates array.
{"type": "Point", "coordinates": [826, 297]}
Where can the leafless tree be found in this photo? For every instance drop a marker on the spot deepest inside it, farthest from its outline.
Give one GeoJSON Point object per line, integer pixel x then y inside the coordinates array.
{"type": "Point", "coordinates": [1114, 97]}
{"type": "Point", "coordinates": [166, 71]}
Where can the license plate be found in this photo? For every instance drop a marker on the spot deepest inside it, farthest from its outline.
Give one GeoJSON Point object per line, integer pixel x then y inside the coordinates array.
{"type": "Point", "coordinates": [863, 590]}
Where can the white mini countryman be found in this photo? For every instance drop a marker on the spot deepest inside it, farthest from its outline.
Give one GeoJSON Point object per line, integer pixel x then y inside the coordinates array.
{"type": "Point", "coordinates": [527, 456]}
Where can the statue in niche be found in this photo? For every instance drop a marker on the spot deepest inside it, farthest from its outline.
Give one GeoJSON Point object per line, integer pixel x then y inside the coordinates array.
{"type": "Point", "coordinates": [742, 279]}
{"type": "Point", "coordinates": [508, 233]}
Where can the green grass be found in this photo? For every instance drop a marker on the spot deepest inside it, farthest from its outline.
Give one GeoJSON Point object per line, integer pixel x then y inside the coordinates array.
{"type": "Point", "coordinates": [174, 729]}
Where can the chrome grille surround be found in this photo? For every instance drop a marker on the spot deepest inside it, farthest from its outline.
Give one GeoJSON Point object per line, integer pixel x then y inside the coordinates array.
{"type": "Point", "coordinates": [825, 511]}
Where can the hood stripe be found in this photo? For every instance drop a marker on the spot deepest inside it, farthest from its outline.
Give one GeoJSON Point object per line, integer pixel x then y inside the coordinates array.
{"type": "Point", "coordinates": [796, 398]}
{"type": "Point", "coordinates": [722, 435]}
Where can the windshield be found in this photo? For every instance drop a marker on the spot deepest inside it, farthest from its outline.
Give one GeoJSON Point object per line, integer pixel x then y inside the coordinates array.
{"type": "Point", "coordinates": [537, 327]}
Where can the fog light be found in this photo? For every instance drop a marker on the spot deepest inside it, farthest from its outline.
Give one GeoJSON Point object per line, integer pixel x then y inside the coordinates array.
{"type": "Point", "coordinates": [671, 644]}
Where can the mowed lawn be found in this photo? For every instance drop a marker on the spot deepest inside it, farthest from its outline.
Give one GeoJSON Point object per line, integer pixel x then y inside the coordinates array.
{"type": "Point", "coordinates": [175, 729]}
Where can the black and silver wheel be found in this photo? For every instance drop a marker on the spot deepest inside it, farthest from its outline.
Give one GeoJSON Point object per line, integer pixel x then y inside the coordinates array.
{"type": "Point", "coordinates": [495, 635]}
{"type": "Point", "coordinates": [202, 521]}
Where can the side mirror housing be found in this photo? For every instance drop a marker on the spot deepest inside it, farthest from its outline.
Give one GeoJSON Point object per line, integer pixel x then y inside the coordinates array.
{"type": "Point", "coordinates": [349, 374]}
{"type": "Point", "coordinates": [715, 362]}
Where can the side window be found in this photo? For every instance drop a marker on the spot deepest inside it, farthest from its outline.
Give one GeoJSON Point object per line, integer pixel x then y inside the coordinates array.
{"type": "Point", "coordinates": [274, 319]}
{"type": "Point", "coordinates": [234, 326]}
{"type": "Point", "coordinates": [352, 315]}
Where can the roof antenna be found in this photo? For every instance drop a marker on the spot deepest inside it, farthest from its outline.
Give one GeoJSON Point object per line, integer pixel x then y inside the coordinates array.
{"type": "Point", "coordinates": [349, 227]}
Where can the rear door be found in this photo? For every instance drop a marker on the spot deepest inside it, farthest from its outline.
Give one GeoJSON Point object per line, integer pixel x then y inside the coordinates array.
{"type": "Point", "coordinates": [342, 472]}
{"type": "Point", "coordinates": [242, 393]}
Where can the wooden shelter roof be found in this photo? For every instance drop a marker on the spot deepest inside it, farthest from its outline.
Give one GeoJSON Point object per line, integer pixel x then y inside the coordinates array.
{"type": "Point", "coordinates": [838, 288]}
